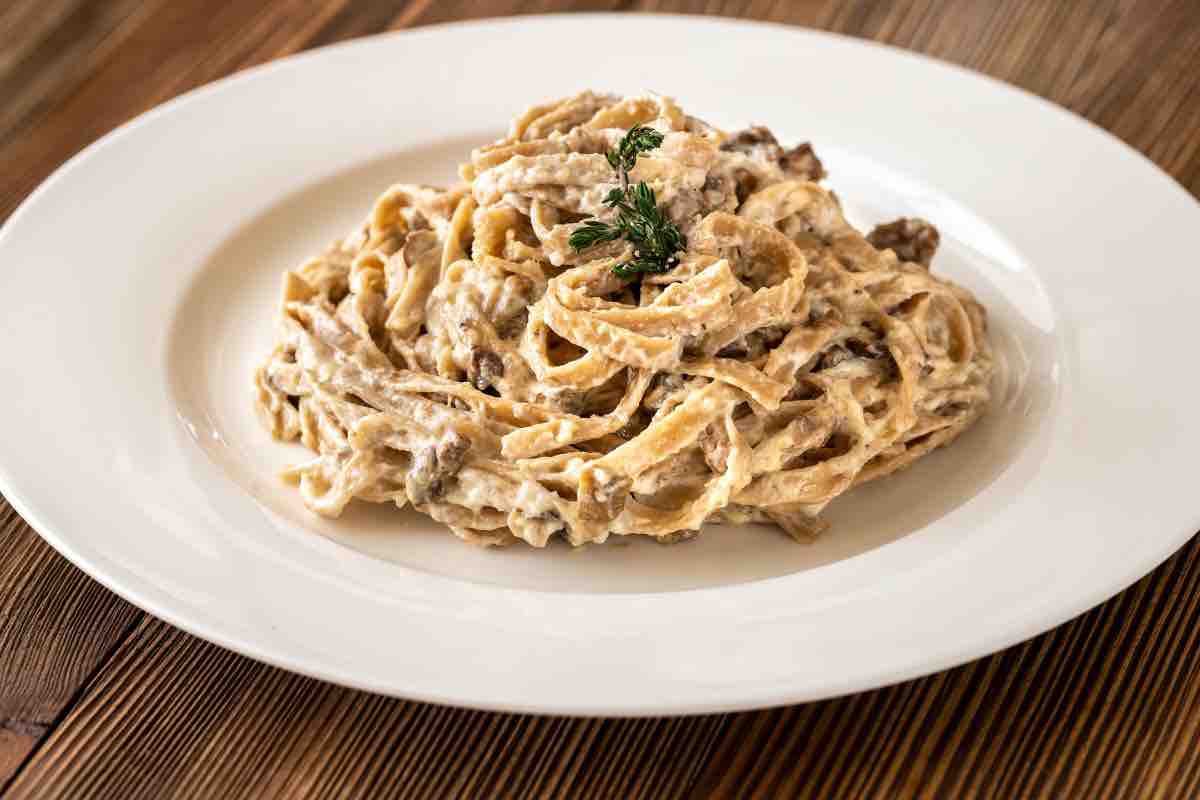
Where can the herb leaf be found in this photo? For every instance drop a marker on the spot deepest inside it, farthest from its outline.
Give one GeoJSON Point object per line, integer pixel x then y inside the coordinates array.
{"type": "Point", "coordinates": [638, 140]}
{"type": "Point", "coordinates": [592, 233]}
{"type": "Point", "coordinates": [639, 221]}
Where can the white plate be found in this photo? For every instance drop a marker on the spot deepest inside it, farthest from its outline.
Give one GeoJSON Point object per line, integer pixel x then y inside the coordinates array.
{"type": "Point", "coordinates": [138, 282]}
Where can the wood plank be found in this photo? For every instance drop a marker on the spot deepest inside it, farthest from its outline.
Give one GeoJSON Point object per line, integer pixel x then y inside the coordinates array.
{"type": "Point", "coordinates": [176, 717]}
{"type": "Point", "coordinates": [48, 48]}
{"type": "Point", "coordinates": [56, 627]}
{"type": "Point", "coordinates": [427, 12]}
{"type": "Point", "coordinates": [1089, 709]}
{"type": "Point", "coordinates": [25, 24]}
{"type": "Point", "coordinates": [178, 46]}
{"type": "Point", "coordinates": [1108, 705]}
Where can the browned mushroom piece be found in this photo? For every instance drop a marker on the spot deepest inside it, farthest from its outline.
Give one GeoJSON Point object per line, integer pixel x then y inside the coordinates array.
{"type": "Point", "coordinates": [486, 368]}
{"type": "Point", "coordinates": [754, 344]}
{"type": "Point", "coordinates": [911, 238]}
{"type": "Point", "coordinates": [873, 356]}
{"type": "Point", "coordinates": [801, 162]}
{"type": "Point", "coordinates": [796, 524]}
{"type": "Point", "coordinates": [602, 495]}
{"type": "Point", "coordinates": [757, 141]}
{"type": "Point", "coordinates": [452, 453]}
{"type": "Point", "coordinates": [662, 387]}
{"type": "Point", "coordinates": [421, 484]}
{"type": "Point", "coordinates": [675, 537]}
{"type": "Point", "coordinates": [714, 443]}
{"type": "Point", "coordinates": [512, 327]}
{"type": "Point", "coordinates": [432, 466]}
{"type": "Point", "coordinates": [638, 422]}
{"type": "Point", "coordinates": [833, 356]}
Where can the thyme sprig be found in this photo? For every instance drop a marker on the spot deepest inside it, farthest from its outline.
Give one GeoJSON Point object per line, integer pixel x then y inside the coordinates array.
{"type": "Point", "coordinates": [638, 140]}
{"type": "Point", "coordinates": [639, 221]}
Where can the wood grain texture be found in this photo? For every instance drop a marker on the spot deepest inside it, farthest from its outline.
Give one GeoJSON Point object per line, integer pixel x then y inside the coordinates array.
{"type": "Point", "coordinates": [99, 700]}
{"type": "Point", "coordinates": [241, 729]}
{"type": "Point", "coordinates": [56, 627]}
{"type": "Point", "coordinates": [57, 44]}
{"type": "Point", "coordinates": [1105, 706]}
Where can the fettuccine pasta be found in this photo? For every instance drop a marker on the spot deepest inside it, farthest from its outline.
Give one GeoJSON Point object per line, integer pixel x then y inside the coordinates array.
{"type": "Point", "coordinates": [457, 354]}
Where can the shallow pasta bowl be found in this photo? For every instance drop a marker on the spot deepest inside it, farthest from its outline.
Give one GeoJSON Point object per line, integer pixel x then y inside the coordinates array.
{"type": "Point", "coordinates": [139, 282]}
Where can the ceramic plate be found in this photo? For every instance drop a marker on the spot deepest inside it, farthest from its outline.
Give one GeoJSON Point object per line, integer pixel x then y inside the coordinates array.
{"type": "Point", "coordinates": [138, 282]}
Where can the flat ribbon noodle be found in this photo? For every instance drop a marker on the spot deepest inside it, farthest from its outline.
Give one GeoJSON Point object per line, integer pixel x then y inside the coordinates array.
{"type": "Point", "coordinates": [454, 352]}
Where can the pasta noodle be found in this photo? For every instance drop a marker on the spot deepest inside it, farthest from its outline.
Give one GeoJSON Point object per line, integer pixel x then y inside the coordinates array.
{"type": "Point", "coordinates": [456, 353]}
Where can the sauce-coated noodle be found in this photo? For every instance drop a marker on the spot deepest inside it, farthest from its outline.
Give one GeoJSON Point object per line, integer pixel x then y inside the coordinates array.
{"type": "Point", "coordinates": [457, 354]}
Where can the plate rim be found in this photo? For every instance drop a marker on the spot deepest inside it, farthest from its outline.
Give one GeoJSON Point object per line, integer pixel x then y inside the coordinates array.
{"type": "Point", "coordinates": [1168, 543]}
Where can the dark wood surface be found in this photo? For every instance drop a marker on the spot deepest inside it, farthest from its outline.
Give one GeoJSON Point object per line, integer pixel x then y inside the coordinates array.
{"type": "Point", "coordinates": [98, 699]}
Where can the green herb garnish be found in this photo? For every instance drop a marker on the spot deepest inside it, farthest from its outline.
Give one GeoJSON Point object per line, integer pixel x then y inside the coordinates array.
{"type": "Point", "coordinates": [594, 232]}
{"type": "Point", "coordinates": [638, 140]}
{"type": "Point", "coordinates": [639, 221]}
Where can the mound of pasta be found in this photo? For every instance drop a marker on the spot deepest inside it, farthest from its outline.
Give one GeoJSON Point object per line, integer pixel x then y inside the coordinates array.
{"type": "Point", "coordinates": [469, 352]}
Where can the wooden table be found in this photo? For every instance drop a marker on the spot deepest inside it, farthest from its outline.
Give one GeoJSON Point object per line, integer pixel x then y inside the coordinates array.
{"type": "Point", "coordinates": [100, 699]}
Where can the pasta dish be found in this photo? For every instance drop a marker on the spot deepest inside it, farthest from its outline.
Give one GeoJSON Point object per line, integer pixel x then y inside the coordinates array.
{"type": "Point", "coordinates": [622, 321]}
